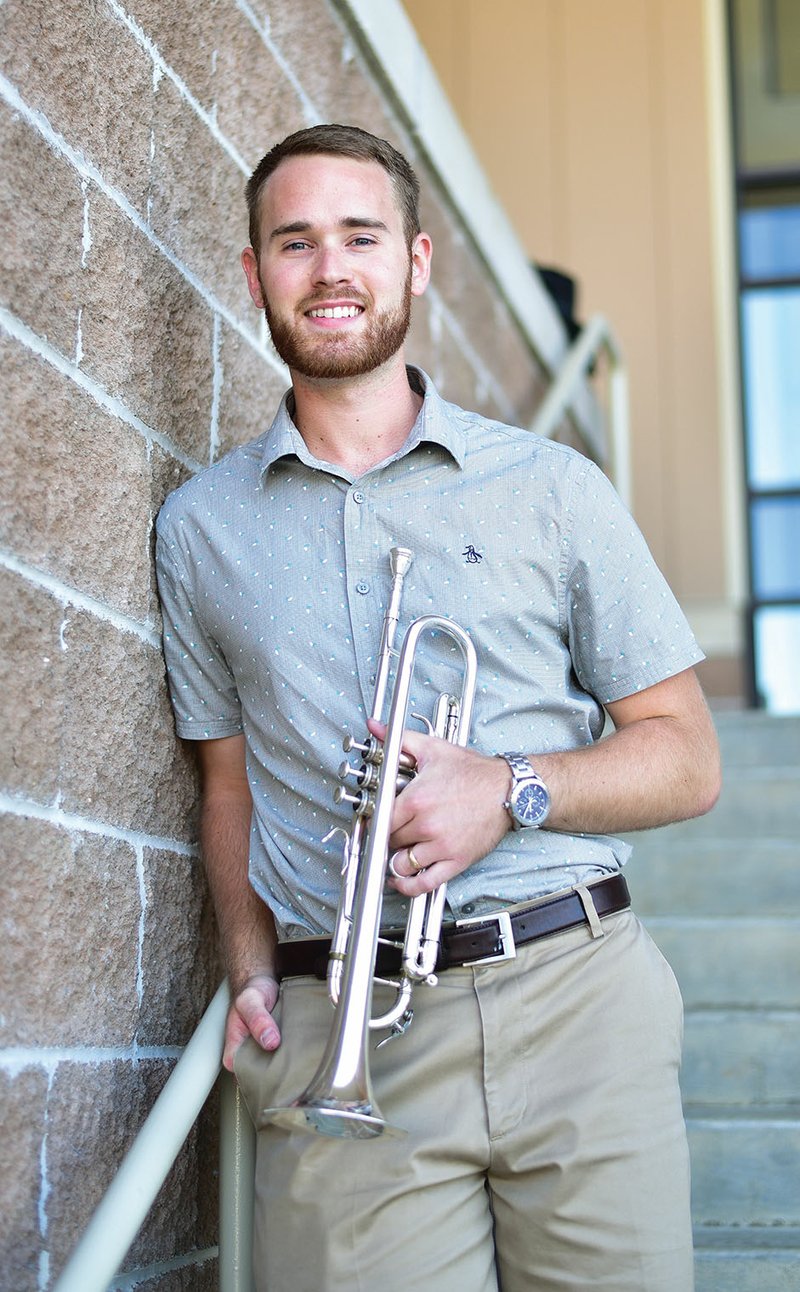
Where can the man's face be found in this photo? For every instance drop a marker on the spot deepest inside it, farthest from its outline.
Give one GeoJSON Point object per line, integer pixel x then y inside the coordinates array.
{"type": "Point", "coordinates": [335, 275]}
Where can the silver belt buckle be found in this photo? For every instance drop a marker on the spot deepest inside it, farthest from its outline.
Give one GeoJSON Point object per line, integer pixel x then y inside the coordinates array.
{"type": "Point", "coordinates": [505, 937]}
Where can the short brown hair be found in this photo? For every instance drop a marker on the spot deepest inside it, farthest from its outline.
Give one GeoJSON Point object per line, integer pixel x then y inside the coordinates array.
{"type": "Point", "coordinates": [337, 141]}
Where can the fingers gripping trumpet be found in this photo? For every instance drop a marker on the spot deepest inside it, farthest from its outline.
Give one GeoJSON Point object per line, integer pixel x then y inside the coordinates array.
{"type": "Point", "coordinates": [339, 1100]}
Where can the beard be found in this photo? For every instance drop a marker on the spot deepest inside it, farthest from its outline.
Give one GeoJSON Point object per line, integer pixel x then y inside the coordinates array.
{"type": "Point", "coordinates": [339, 354]}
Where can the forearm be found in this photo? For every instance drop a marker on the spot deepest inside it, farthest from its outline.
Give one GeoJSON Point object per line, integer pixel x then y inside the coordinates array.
{"type": "Point", "coordinates": [648, 774]}
{"type": "Point", "coordinates": [246, 925]}
{"type": "Point", "coordinates": [660, 765]}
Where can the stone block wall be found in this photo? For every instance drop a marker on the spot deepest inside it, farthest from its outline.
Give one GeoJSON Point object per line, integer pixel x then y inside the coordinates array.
{"type": "Point", "coordinates": [132, 357]}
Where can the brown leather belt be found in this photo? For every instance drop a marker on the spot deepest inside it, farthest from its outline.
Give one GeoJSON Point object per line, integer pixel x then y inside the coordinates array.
{"type": "Point", "coordinates": [482, 940]}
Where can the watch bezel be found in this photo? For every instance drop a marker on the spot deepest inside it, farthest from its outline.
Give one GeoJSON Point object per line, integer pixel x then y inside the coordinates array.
{"type": "Point", "coordinates": [540, 811]}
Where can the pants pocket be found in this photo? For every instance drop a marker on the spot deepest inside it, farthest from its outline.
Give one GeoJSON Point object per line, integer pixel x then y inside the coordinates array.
{"type": "Point", "coordinates": [251, 1068]}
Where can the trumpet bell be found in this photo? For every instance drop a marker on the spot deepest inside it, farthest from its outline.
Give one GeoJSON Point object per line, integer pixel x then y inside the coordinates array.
{"type": "Point", "coordinates": [333, 1118]}
{"type": "Point", "coordinates": [338, 1102]}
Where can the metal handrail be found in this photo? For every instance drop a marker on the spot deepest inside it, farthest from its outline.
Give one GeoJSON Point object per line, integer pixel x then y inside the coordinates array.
{"type": "Point", "coordinates": [594, 338]}
{"type": "Point", "coordinates": [116, 1222]}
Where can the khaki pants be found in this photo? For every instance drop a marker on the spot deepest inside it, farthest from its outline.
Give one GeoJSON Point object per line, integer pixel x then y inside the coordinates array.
{"type": "Point", "coordinates": [545, 1151]}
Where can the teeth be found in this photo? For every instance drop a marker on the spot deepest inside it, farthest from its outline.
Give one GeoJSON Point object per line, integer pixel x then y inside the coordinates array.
{"type": "Point", "coordinates": [336, 312]}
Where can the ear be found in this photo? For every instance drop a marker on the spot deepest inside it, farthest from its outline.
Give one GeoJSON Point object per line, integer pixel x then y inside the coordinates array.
{"type": "Point", "coordinates": [250, 267]}
{"type": "Point", "coordinates": [421, 253]}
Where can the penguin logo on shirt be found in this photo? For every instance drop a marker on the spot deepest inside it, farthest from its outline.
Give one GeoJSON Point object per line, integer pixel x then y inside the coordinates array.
{"type": "Point", "coordinates": [472, 556]}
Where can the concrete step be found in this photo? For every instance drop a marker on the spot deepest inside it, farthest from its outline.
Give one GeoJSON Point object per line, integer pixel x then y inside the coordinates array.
{"type": "Point", "coordinates": [721, 897]}
{"type": "Point", "coordinates": [732, 963]}
{"type": "Point", "coordinates": [747, 1238]}
{"type": "Point", "coordinates": [744, 1167]}
{"type": "Point", "coordinates": [708, 877]}
{"type": "Point", "coordinates": [747, 1258]}
{"type": "Point", "coordinates": [735, 1058]}
{"type": "Point", "coordinates": [758, 739]}
{"type": "Point", "coordinates": [747, 1272]}
{"type": "Point", "coordinates": [757, 803]}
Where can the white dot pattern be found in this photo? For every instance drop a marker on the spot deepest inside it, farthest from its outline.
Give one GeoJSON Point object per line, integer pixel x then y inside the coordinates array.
{"type": "Point", "coordinates": [273, 574]}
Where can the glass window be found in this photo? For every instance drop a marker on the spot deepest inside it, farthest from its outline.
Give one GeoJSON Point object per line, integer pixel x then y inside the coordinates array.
{"type": "Point", "coordinates": [775, 525]}
{"type": "Point", "coordinates": [765, 80]}
{"type": "Point", "coordinates": [777, 651]}
{"type": "Point", "coordinates": [785, 41]}
{"type": "Point", "coordinates": [765, 66]}
{"type": "Point", "coordinates": [769, 241]}
{"type": "Point", "coordinates": [771, 352]}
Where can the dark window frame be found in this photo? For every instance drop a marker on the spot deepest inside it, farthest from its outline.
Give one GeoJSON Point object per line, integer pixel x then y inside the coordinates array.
{"type": "Point", "coordinates": [750, 183]}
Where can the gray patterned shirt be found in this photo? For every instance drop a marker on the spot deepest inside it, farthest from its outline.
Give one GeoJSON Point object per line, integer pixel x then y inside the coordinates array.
{"type": "Point", "coordinates": [273, 573]}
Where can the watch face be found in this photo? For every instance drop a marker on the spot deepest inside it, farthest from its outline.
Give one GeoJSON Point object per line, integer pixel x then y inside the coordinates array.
{"type": "Point", "coordinates": [531, 804]}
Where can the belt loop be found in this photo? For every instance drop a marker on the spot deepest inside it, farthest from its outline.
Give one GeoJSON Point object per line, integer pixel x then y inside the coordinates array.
{"type": "Point", "coordinates": [590, 911]}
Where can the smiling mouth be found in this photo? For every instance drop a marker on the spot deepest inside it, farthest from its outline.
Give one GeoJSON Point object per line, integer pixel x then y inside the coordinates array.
{"type": "Point", "coordinates": [335, 312]}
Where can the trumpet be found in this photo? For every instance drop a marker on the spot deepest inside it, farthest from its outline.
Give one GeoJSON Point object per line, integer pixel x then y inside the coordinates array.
{"type": "Point", "coordinates": [339, 1099]}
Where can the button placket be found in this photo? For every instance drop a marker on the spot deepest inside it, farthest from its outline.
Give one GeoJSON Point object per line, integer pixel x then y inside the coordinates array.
{"type": "Point", "coordinates": [364, 581]}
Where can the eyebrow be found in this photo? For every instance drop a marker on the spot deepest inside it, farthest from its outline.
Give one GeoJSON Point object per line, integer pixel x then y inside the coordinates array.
{"type": "Point", "coordinates": [347, 222]}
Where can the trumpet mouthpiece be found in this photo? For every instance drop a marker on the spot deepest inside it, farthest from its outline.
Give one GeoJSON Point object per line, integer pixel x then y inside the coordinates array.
{"type": "Point", "coordinates": [400, 558]}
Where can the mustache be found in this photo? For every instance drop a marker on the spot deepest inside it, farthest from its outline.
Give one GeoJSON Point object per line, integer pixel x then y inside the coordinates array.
{"type": "Point", "coordinates": [352, 297]}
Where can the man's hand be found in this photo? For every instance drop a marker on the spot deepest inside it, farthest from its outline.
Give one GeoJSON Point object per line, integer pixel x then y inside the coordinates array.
{"type": "Point", "coordinates": [250, 1015]}
{"type": "Point", "coordinates": [660, 765]}
{"type": "Point", "coordinates": [451, 813]}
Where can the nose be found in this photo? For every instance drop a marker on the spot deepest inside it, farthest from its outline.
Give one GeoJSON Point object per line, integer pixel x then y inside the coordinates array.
{"type": "Point", "coordinates": [331, 266]}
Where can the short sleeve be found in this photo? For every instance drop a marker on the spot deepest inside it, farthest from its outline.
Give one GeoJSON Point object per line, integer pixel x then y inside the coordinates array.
{"type": "Point", "coordinates": [625, 628]}
{"type": "Point", "coordinates": [201, 686]}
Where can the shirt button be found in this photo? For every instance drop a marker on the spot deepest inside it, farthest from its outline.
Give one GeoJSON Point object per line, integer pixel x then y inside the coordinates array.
{"type": "Point", "coordinates": [358, 496]}
{"type": "Point", "coordinates": [469, 908]}
{"type": "Point", "coordinates": [362, 587]}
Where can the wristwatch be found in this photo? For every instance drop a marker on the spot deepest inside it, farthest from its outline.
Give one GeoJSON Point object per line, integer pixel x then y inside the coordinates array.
{"type": "Point", "coordinates": [528, 800]}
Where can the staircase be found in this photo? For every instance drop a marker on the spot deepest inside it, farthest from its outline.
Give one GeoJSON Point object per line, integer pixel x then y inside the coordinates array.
{"type": "Point", "coordinates": [721, 897]}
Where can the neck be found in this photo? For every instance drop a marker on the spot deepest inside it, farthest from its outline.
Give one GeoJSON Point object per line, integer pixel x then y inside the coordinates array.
{"type": "Point", "coordinates": [356, 422]}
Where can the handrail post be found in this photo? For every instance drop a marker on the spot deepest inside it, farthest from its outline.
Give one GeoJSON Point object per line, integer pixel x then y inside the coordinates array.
{"type": "Point", "coordinates": [593, 338]}
{"type": "Point", "coordinates": [619, 402]}
{"type": "Point", "coordinates": [237, 1142]}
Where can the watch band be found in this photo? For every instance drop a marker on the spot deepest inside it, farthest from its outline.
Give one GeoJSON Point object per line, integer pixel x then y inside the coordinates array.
{"type": "Point", "coordinates": [520, 767]}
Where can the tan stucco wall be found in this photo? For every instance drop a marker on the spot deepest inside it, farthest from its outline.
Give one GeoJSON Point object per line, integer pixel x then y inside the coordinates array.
{"type": "Point", "coordinates": [592, 122]}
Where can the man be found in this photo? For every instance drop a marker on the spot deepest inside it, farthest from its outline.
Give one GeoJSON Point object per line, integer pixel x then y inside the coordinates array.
{"type": "Point", "coordinates": [545, 1146]}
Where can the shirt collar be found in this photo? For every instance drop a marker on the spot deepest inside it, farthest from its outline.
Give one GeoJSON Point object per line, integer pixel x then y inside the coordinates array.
{"type": "Point", "coordinates": [437, 422]}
